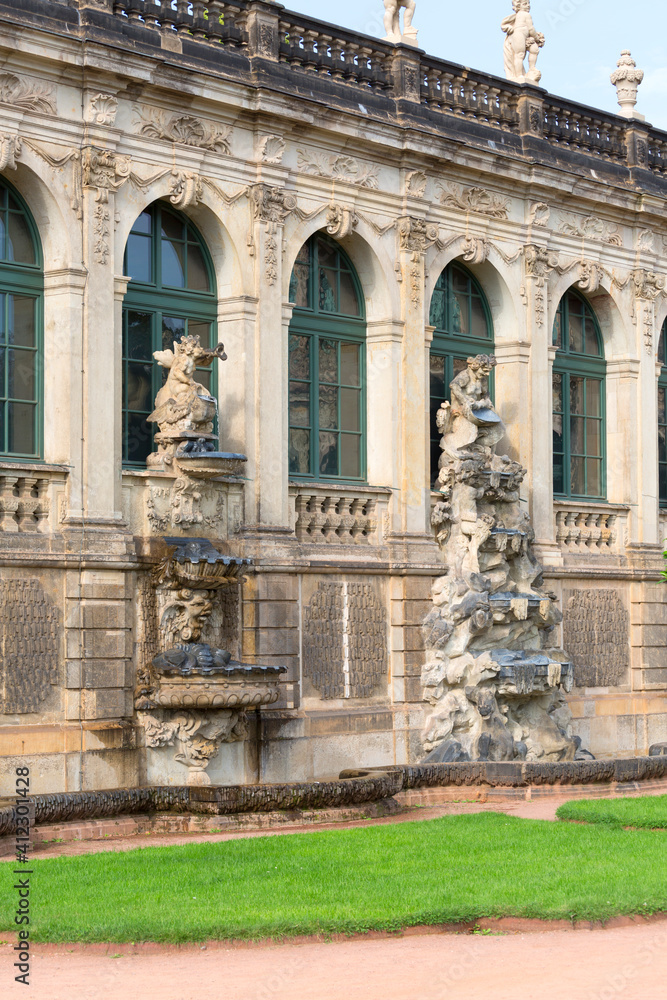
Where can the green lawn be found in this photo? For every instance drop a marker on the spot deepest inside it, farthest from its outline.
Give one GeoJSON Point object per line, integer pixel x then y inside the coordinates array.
{"type": "Point", "coordinates": [384, 877]}
{"type": "Point", "coordinates": [647, 812]}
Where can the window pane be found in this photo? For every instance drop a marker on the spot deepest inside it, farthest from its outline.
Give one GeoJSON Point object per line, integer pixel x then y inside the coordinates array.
{"type": "Point", "coordinates": [144, 223]}
{"type": "Point", "coordinates": [349, 409]}
{"type": "Point", "coordinates": [593, 437]}
{"type": "Point", "coordinates": [576, 394]}
{"type": "Point", "coordinates": [592, 342]}
{"type": "Point", "coordinates": [21, 321]}
{"type": "Point", "coordinates": [662, 444]}
{"type": "Point", "coordinates": [460, 365]}
{"type": "Point", "coordinates": [328, 301]}
{"type": "Point", "coordinates": [201, 330]}
{"type": "Point", "coordinates": [299, 404]}
{"type": "Point", "coordinates": [299, 357]}
{"type": "Point", "coordinates": [299, 286]}
{"type": "Point", "coordinates": [438, 316]}
{"type": "Point", "coordinates": [349, 364]}
{"type": "Point", "coordinates": [594, 474]}
{"type": "Point", "coordinates": [20, 247]}
{"type": "Point", "coordinates": [349, 303]}
{"type": "Point", "coordinates": [559, 475]}
{"type": "Point", "coordinates": [662, 411]}
{"type": "Point", "coordinates": [197, 270]}
{"type": "Point", "coordinates": [139, 387]}
{"type": "Point", "coordinates": [576, 333]}
{"type": "Point", "coordinates": [460, 311]}
{"type": "Point", "coordinates": [327, 255]}
{"type": "Point", "coordinates": [21, 428]}
{"type": "Point", "coordinates": [662, 354]}
{"type": "Point", "coordinates": [328, 407]}
{"type": "Point", "coordinates": [557, 393]}
{"type": "Point", "coordinates": [460, 280]}
{"type": "Point", "coordinates": [328, 361]}
{"type": "Point", "coordinates": [21, 379]}
{"type": "Point", "coordinates": [437, 377]}
{"type": "Point", "coordinates": [350, 457]}
{"type": "Point", "coordinates": [663, 485]}
{"type": "Point", "coordinates": [329, 454]}
{"type": "Point", "coordinates": [139, 335]}
{"type": "Point", "coordinates": [204, 377]}
{"type": "Point", "coordinates": [139, 437]}
{"type": "Point", "coordinates": [173, 264]}
{"type": "Point", "coordinates": [299, 452]}
{"type": "Point", "coordinates": [577, 446]}
{"type": "Point", "coordinates": [173, 228]}
{"type": "Point", "coordinates": [478, 324]}
{"type": "Point", "coordinates": [558, 434]}
{"type": "Point", "coordinates": [138, 259]}
{"type": "Point", "coordinates": [577, 474]}
{"type": "Point", "coordinates": [558, 328]}
{"type": "Point", "coordinates": [593, 398]}
{"type": "Point", "coordinates": [173, 328]}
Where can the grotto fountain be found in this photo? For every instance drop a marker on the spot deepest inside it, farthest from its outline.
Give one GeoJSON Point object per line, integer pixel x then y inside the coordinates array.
{"type": "Point", "coordinates": [192, 696]}
{"type": "Point", "coordinates": [494, 678]}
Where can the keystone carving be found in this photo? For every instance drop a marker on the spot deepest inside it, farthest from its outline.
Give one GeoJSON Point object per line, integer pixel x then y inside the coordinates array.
{"type": "Point", "coordinates": [341, 221]}
{"type": "Point", "coordinates": [186, 189]}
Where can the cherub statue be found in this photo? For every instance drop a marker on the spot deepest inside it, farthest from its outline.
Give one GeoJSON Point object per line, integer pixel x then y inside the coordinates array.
{"type": "Point", "coordinates": [392, 11]}
{"type": "Point", "coordinates": [184, 409]}
{"type": "Point", "coordinates": [522, 40]}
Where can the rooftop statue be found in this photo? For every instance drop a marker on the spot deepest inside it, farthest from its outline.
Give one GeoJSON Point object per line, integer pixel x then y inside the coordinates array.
{"type": "Point", "coordinates": [494, 675]}
{"type": "Point", "coordinates": [522, 41]}
{"type": "Point", "coordinates": [392, 12]}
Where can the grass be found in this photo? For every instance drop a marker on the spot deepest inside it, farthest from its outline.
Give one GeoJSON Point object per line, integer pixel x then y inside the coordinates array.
{"type": "Point", "coordinates": [648, 812]}
{"type": "Point", "coordinates": [458, 868]}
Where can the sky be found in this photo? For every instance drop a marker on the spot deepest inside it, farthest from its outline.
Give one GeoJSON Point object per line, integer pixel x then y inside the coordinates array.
{"type": "Point", "coordinates": [584, 40]}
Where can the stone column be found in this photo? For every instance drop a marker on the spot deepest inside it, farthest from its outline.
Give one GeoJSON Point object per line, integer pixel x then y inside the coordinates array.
{"type": "Point", "coordinates": [383, 387]}
{"type": "Point", "coordinates": [536, 453]}
{"type": "Point", "coordinates": [270, 206]}
{"type": "Point", "coordinates": [415, 236]}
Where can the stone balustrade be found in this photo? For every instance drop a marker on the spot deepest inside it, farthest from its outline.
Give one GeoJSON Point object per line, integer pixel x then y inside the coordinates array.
{"type": "Point", "coordinates": [328, 516]}
{"type": "Point", "coordinates": [26, 495]}
{"type": "Point", "coordinates": [589, 528]}
{"type": "Point", "coordinates": [301, 45]}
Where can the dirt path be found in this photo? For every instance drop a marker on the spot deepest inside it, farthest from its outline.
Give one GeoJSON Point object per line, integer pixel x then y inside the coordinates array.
{"type": "Point", "coordinates": [626, 963]}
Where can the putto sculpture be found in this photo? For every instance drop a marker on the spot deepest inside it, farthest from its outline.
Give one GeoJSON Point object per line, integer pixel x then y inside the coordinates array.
{"type": "Point", "coordinates": [523, 41]}
{"type": "Point", "coordinates": [494, 679]}
{"type": "Point", "coordinates": [392, 25]}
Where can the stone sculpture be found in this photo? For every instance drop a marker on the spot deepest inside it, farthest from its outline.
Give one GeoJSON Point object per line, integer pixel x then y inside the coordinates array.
{"type": "Point", "coordinates": [184, 409]}
{"type": "Point", "coordinates": [493, 679]}
{"type": "Point", "coordinates": [392, 25]}
{"type": "Point", "coordinates": [522, 41]}
{"type": "Point", "coordinates": [626, 79]}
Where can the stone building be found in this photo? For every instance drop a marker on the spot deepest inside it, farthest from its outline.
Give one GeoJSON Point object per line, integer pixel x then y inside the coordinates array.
{"type": "Point", "coordinates": [352, 218]}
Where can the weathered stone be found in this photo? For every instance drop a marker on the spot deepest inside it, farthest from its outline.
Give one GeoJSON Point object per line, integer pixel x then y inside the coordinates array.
{"type": "Point", "coordinates": [596, 631]}
{"type": "Point", "coordinates": [658, 750]}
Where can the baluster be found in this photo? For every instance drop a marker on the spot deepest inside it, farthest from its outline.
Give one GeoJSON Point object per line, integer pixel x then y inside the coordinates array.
{"type": "Point", "coordinates": [42, 512]}
{"type": "Point", "coordinates": [198, 20]}
{"type": "Point", "coordinates": [336, 60]}
{"type": "Point", "coordinates": [28, 503]}
{"type": "Point", "coordinates": [135, 9]}
{"type": "Point", "coordinates": [9, 503]}
{"type": "Point", "coordinates": [183, 17]}
{"type": "Point", "coordinates": [285, 41]}
{"type": "Point", "coordinates": [167, 16]}
{"type": "Point", "coordinates": [214, 23]}
{"type": "Point", "coordinates": [364, 61]}
{"type": "Point", "coordinates": [151, 13]}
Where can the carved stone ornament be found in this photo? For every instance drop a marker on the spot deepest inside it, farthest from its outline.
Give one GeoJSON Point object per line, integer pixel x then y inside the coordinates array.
{"type": "Point", "coordinates": [475, 249]}
{"type": "Point", "coordinates": [102, 233]}
{"type": "Point", "coordinates": [10, 150]}
{"type": "Point", "coordinates": [271, 149]}
{"type": "Point", "coordinates": [590, 276]}
{"type": "Point", "coordinates": [186, 129]}
{"type": "Point", "coordinates": [186, 189]}
{"type": "Point", "coordinates": [415, 184]}
{"type": "Point", "coordinates": [392, 22]}
{"type": "Point", "coordinates": [30, 633]}
{"type": "Point", "coordinates": [474, 199]}
{"type": "Point", "coordinates": [539, 214]}
{"type": "Point", "coordinates": [626, 79]}
{"type": "Point", "coordinates": [646, 241]}
{"type": "Point", "coordinates": [271, 205]}
{"type": "Point", "coordinates": [104, 170]}
{"type": "Point", "coordinates": [539, 262]}
{"type": "Point", "coordinates": [647, 284]}
{"type": "Point", "coordinates": [341, 168]}
{"type": "Point", "coordinates": [27, 95]}
{"type": "Point", "coordinates": [494, 681]}
{"type": "Point", "coordinates": [590, 227]}
{"type": "Point", "coordinates": [523, 41]}
{"type": "Point", "coordinates": [102, 109]}
{"type": "Point", "coordinates": [341, 221]}
{"type": "Point", "coordinates": [196, 735]}
{"type": "Point", "coordinates": [416, 235]}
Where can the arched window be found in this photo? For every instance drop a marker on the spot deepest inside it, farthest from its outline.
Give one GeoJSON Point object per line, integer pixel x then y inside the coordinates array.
{"type": "Point", "coordinates": [21, 294]}
{"type": "Point", "coordinates": [662, 417]}
{"type": "Point", "coordinates": [463, 327]}
{"type": "Point", "coordinates": [578, 401]}
{"type": "Point", "coordinates": [327, 398]}
{"type": "Point", "coordinates": [171, 295]}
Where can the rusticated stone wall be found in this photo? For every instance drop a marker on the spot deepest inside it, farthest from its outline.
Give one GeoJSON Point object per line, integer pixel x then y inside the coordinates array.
{"type": "Point", "coordinates": [29, 646]}
{"type": "Point", "coordinates": [596, 634]}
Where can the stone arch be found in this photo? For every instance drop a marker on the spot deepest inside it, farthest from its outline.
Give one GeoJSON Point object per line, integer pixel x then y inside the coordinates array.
{"type": "Point", "coordinates": [618, 333]}
{"type": "Point", "coordinates": [48, 210]}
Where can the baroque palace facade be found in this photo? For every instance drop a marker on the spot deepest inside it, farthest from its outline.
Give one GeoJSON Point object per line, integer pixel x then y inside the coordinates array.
{"type": "Point", "coordinates": [353, 219]}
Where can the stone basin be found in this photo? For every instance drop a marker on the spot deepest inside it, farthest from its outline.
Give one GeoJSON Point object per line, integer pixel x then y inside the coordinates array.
{"type": "Point", "coordinates": [212, 464]}
{"type": "Point", "coordinates": [522, 673]}
{"type": "Point", "coordinates": [237, 685]}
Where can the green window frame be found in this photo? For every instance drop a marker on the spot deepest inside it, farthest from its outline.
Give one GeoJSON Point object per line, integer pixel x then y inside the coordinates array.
{"type": "Point", "coordinates": [21, 329]}
{"type": "Point", "coordinates": [662, 417]}
{"type": "Point", "coordinates": [463, 325]}
{"type": "Point", "coordinates": [171, 294]}
{"type": "Point", "coordinates": [579, 426]}
{"type": "Point", "coordinates": [327, 366]}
